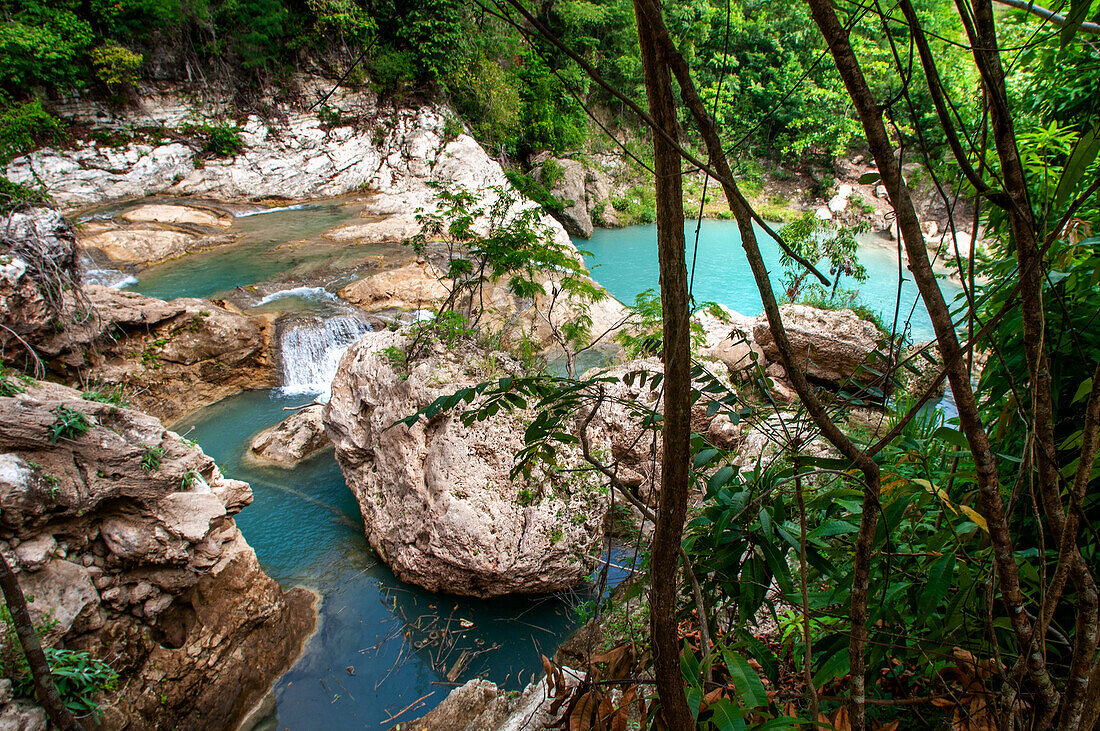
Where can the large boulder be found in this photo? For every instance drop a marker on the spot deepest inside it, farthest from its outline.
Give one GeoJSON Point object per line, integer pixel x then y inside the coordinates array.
{"type": "Point", "coordinates": [584, 191]}
{"type": "Point", "coordinates": [565, 179]}
{"type": "Point", "coordinates": [292, 440]}
{"type": "Point", "coordinates": [437, 501]}
{"type": "Point", "coordinates": [144, 566]}
{"type": "Point", "coordinates": [832, 346]}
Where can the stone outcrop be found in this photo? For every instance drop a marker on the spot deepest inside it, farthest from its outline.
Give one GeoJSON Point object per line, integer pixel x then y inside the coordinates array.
{"type": "Point", "coordinates": [292, 440]}
{"type": "Point", "coordinates": [412, 286]}
{"type": "Point", "coordinates": [123, 533]}
{"type": "Point", "coordinates": [388, 151]}
{"type": "Point", "coordinates": [730, 340]}
{"type": "Point", "coordinates": [585, 193]}
{"type": "Point", "coordinates": [37, 259]}
{"type": "Point", "coordinates": [170, 358]}
{"type": "Point", "coordinates": [436, 498]}
{"type": "Point", "coordinates": [480, 705]}
{"type": "Point", "coordinates": [925, 359]}
{"type": "Point", "coordinates": [155, 232]}
{"type": "Point", "coordinates": [833, 346]}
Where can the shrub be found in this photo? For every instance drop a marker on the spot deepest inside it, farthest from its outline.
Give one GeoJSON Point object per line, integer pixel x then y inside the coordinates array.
{"type": "Point", "coordinates": [115, 65]}
{"type": "Point", "coordinates": [26, 127]}
{"type": "Point", "coordinates": [79, 677]}
{"type": "Point", "coordinates": [223, 140]}
{"type": "Point", "coordinates": [14, 196]}
{"type": "Point", "coordinates": [69, 424]}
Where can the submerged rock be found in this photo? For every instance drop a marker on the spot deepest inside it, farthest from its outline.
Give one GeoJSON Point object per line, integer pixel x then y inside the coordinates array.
{"type": "Point", "coordinates": [437, 501]}
{"type": "Point", "coordinates": [292, 440]}
{"type": "Point", "coordinates": [149, 571]}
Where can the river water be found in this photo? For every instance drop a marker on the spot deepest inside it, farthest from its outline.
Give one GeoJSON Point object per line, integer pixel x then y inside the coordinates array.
{"type": "Point", "coordinates": [624, 261]}
{"type": "Point", "coordinates": [384, 646]}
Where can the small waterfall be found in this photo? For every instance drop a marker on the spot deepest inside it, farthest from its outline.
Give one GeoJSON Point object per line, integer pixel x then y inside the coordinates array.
{"type": "Point", "coordinates": [302, 292]}
{"type": "Point", "coordinates": [311, 352]}
{"type": "Point", "coordinates": [107, 277]}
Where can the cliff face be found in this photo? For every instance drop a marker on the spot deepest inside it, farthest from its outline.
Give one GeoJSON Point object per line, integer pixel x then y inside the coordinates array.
{"type": "Point", "coordinates": [123, 534]}
{"type": "Point", "coordinates": [292, 155]}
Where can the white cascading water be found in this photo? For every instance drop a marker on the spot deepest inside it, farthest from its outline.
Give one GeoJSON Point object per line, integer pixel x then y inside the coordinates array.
{"type": "Point", "coordinates": [107, 277]}
{"type": "Point", "coordinates": [311, 352]}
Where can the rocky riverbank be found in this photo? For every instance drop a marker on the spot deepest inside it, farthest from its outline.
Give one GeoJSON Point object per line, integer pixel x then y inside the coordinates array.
{"type": "Point", "coordinates": [123, 534]}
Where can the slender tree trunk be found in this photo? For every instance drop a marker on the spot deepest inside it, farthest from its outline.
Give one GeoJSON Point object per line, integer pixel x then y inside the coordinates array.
{"type": "Point", "coordinates": [676, 355]}
{"type": "Point", "coordinates": [32, 649]}
{"type": "Point", "coordinates": [958, 375]}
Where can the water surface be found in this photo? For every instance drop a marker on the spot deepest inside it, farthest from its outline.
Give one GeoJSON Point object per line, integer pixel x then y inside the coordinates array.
{"type": "Point", "coordinates": [381, 645]}
{"type": "Point", "coordinates": [624, 260]}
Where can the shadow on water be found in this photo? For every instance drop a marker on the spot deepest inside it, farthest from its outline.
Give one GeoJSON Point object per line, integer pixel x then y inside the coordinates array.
{"type": "Point", "coordinates": [381, 645]}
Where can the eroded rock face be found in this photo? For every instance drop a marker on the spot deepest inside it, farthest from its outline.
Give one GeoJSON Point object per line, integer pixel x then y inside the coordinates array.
{"type": "Point", "coordinates": [37, 256]}
{"type": "Point", "coordinates": [831, 345]}
{"type": "Point", "coordinates": [124, 535]}
{"type": "Point", "coordinates": [292, 440]}
{"type": "Point", "coordinates": [172, 357]}
{"type": "Point", "coordinates": [436, 498]}
{"type": "Point", "coordinates": [412, 286]}
{"type": "Point", "coordinates": [584, 191]}
{"type": "Point", "coordinates": [154, 232]}
{"type": "Point", "coordinates": [481, 706]}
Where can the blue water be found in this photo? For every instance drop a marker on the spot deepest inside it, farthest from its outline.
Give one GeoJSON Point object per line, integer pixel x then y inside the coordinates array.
{"type": "Point", "coordinates": [624, 261]}
{"type": "Point", "coordinates": [305, 527]}
{"type": "Point", "coordinates": [285, 244]}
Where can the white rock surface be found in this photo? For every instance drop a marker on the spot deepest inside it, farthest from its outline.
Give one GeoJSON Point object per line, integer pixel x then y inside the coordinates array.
{"type": "Point", "coordinates": [436, 498]}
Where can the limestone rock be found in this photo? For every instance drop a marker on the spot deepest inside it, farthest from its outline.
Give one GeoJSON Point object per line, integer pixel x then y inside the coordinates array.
{"type": "Point", "coordinates": [384, 229]}
{"type": "Point", "coordinates": [161, 213]}
{"type": "Point", "coordinates": [137, 245]}
{"type": "Point", "coordinates": [436, 498]}
{"type": "Point", "coordinates": [925, 358]}
{"type": "Point", "coordinates": [831, 345]}
{"type": "Point", "coordinates": [62, 592]}
{"type": "Point", "coordinates": [729, 340]}
{"type": "Point", "coordinates": [292, 440]}
{"type": "Point", "coordinates": [175, 356]}
{"type": "Point", "coordinates": [35, 552]}
{"type": "Point", "coordinates": [22, 716]}
{"type": "Point", "coordinates": [157, 579]}
{"type": "Point", "coordinates": [412, 286]}
{"type": "Point", "coordinates": [480, 705]}
{"type": "Point", "coordinates": [566, 181]}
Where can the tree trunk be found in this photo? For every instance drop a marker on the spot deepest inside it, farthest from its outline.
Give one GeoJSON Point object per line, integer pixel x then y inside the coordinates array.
{"type": "Point", "coordinates": [676, 355]}
{"type": "Point", "coordinates": [32, 649]}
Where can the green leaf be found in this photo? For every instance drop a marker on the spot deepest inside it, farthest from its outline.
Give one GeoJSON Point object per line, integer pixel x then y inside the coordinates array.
{"type": "Point", "coordinates": [726, 716]}
{"type": "Point", "coordinates": [746, 679]}
{"type": "Point", "coordinates": [939, 581]}
{"type": "Point", "coordinates": [871, 177]}
{"type": "Point", "coordinates": [1083, 155]}
{"type": "Point", "coordinates": [1078, 14]}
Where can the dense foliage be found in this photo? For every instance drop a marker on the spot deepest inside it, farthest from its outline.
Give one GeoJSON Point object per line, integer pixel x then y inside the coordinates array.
{"type": "Point", "coordinates": [519, 93]}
